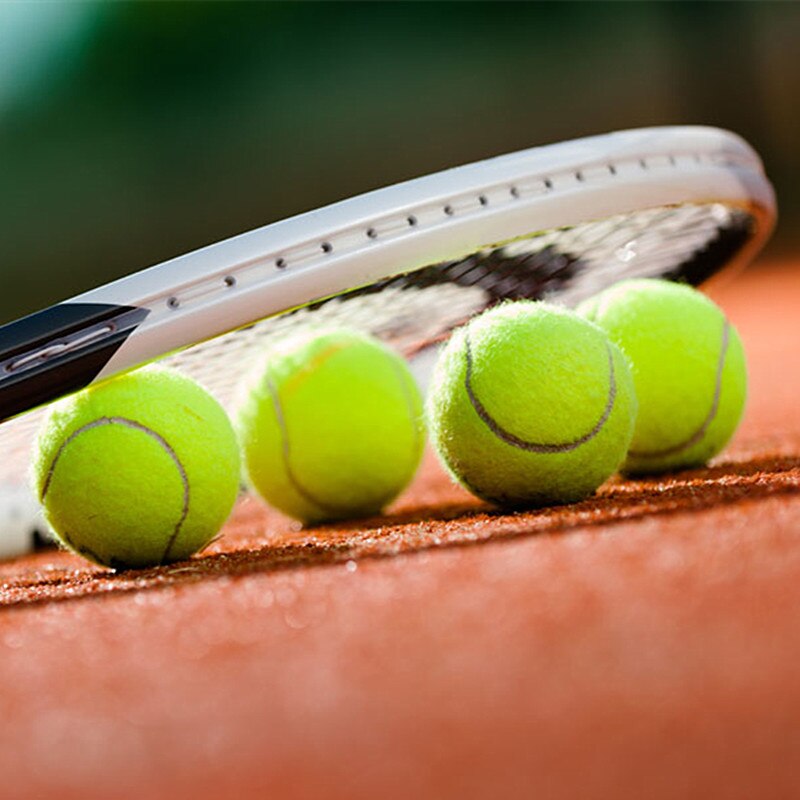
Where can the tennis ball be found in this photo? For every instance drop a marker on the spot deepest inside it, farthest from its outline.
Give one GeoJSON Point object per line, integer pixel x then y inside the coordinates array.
{"type": "Point", "coordinates": [331, 425]}
{"type": "Point", "coordinates": [138, 471]}
{"type": "Point", "coordinates": [531, 405]}
{"type": "Point", "coordinates": [688, 368]}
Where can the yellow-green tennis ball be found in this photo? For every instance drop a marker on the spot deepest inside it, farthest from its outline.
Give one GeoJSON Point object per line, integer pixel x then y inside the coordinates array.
{"type": "Point", "coordinates": [531, 405]}
{"type": "Point", "coordinates": [331, 425]}
{"type": "Point", "coordinates": [688, 368]}
{"type": "Point", "coordinates": [138, 471]}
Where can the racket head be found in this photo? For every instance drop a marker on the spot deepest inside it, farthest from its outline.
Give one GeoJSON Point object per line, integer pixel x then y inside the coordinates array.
{"type": "Point", "coordinates": [407, 263]}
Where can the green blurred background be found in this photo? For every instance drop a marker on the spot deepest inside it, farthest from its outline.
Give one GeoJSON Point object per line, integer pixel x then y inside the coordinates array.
{"type": "Point", "coordinates": [132, 132]}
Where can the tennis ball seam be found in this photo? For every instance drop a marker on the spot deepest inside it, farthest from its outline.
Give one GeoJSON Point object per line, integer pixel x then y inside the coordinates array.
{"type": "Point", "coordinates": [85, 551]}
{"type": "Point", "coordinates": [304, 492]}
{"type": "Point", "coordinates": [129, 423]}
{"type": "Point", "coordinates": [694, 438]}
{"type": "Point", "coordinates": [537, 447]}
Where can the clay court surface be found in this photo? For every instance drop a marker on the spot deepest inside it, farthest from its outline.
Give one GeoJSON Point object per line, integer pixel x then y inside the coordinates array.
{"type": "Point", "coordinates": [642, 644]}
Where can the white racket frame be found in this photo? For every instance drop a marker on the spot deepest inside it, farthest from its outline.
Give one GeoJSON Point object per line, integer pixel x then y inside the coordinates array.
{"type": "Point", "coordinates": [444, 216]}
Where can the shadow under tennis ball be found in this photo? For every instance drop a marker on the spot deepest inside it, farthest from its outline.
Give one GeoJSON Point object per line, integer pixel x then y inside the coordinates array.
{"type": "Point", "coordinates": [427, 528]}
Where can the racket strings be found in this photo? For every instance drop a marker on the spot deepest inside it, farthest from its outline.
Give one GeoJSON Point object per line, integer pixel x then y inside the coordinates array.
{"type": "Point", "coordinates": [412, 310]}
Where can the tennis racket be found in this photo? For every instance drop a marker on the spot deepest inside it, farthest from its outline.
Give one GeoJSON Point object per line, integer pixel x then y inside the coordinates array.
{"type": "Point", "coordinates": [407, 263]}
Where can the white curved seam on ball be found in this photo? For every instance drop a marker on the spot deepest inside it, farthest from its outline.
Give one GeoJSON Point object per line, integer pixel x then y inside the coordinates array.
{"type": "Point", "coordinates": [129, 423]}
{"type": "Point", "coordinates": [712, 413]}
{"type": "Point", "coordinates": [538, 447]}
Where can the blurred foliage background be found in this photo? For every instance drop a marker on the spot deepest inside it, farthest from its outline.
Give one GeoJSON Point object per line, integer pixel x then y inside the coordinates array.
{"type": "Point", "coordinates": [132, 132]}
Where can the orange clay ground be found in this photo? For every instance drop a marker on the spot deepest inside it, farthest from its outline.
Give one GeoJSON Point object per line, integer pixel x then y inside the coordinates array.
{"type": "Point", "coordinates": [642, 644]}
